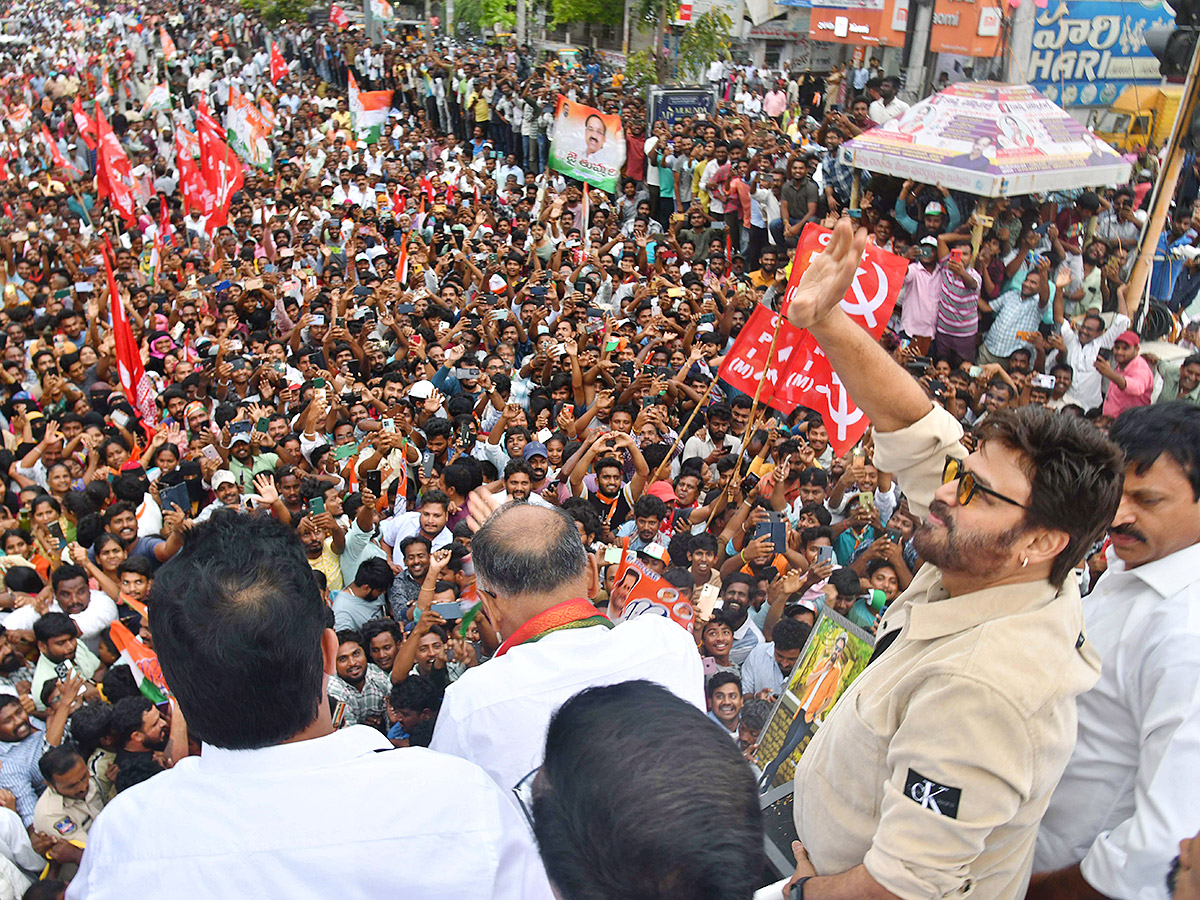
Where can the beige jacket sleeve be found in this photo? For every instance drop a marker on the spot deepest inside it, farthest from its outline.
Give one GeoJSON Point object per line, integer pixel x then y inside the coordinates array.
{"type": "Point", "coordinates": [960, 766]}
{"type": "Point", "coordinates": [917, 454]}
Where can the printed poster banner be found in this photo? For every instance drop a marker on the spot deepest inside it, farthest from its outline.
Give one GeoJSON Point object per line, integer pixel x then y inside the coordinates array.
{"type": "Point", "coordinates": [988, 139]}
{"type": "Point", "coordinates": [637, 591]}
{"type": "Point", "coordinates": [588, 145]}
{"type": "Point", "coordinates": [835, 654]}
{"type": "Point", "coordinates": [673, 105]}
{"type": "Point", "coordinates": [1085, 52]}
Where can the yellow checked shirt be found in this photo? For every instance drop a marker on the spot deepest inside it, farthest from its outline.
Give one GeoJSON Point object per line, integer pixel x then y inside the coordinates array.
{"type": "Point", "coordinates": [936, 765]}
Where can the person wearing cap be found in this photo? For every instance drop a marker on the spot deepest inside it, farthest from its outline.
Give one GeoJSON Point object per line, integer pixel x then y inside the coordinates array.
{"type": "Point", "coordinates": [538, 458]}
{"type": "Point", "coordinates": [937, 215]}
{"type": "Point", "coordinates": [921, 293]}
{"type": "Point", "coordinates": [1131, 379]}
{"type": "Point", "coordinates": [247, 460]}
{"type": "Point", "coordinates": [228, 494]}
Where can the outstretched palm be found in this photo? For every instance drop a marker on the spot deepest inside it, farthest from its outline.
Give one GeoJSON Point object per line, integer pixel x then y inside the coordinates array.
{"type": "Point", "coordinates": [826, 280]}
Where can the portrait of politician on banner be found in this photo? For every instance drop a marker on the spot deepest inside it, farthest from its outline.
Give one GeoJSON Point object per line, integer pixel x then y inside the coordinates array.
{"type": "Point", "coordinates": [835, 654]}
{"type": "Point", "coordinates": [588, 145]}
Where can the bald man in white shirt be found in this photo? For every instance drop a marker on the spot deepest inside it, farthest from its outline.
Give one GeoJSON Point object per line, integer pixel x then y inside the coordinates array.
{"type": "Point", "coordinates": [533, 580]}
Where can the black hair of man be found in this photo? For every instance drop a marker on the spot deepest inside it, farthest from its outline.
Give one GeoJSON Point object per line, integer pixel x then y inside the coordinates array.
{"type": "Point", "coordinates": [720, 680]}
{"type": "Point", "coordinates": [91, 724]}
{"type": "Point", "coordinates": [815, 533]}
{"type": "Point", "coordinates": [375, 627]}
{"type": "Point", "coordinates": [1076, 474]}
{"type": "Point", "coordinates": [52, 625]}
{"type": "Point", "coordinates": [415, 539]}
{"type": "Point", "coordinates": [66, 572]}
{"type": "Point", "coordinates": [59, 761]}
{"type": "Point", "coordinates": [650, 507]}
{"type": "Point", "coordinates": [814, 476]}
{"type": "Point", "coordinates": [1145, 433]}
{"type": "Point", "coordinates": [119, 683]}
{"type": "Point", "coordinates": [818, 511]}
{"type": "Point", "coordinates": [695, 838]}
{"type": "Point", "coordinates": [50, 889]}
{"type": "Point", "coordinates": [374, 573]}
{"type": "Point", "coordinates": [128, 713]}
{"type": "Point", "coordinates": [417, 693]}
{"type": "Point", "coordinates": [791, 636]}
{"type": "Point", "coordinates": [240, 605]}
{"type": "Point", "coordinates": [438, 498]}
{"type": "Point", "coordinates": [846, 582]}
{"type": "Point", "coordinates": [138, 565]}
{"type": "Point", "coordinates": [352, 636]}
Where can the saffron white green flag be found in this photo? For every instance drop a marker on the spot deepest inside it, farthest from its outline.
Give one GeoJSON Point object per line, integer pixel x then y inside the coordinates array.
{"type": "Point", "coordinates": [159, 98]}
{"type": "Point", "coordinates": [247, 131]}
{"type": "Point", "coordinates": [368, 112]}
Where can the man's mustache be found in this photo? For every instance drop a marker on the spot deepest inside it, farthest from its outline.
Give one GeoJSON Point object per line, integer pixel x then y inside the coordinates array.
{"type": "Point", "coordinates": [1128, 531]}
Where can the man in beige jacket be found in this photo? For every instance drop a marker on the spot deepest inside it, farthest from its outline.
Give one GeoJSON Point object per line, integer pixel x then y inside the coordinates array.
{"type": "Point", "coordinates": [930, 775]}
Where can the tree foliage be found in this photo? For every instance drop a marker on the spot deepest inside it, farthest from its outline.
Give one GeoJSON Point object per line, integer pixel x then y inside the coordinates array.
{"type": "Point", "coordinates": [704, 40]}
{"type": "Point", "coordinates": [481, 15]}
{"type": "Point", "coordinates": [641, 70]}
{"type": "Point", "coordinates": [275, 11]}
{"type": "Point", "coordinates": [601, 12]}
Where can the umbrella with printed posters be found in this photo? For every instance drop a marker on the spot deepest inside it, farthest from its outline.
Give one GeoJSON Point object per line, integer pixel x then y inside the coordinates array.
{"type": "Point", "coordinates": [988, 139]}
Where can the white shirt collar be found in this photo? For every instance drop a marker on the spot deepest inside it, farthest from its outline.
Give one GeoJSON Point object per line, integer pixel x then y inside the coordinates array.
{"type": "Point", "coordinates": [340, 746]}
{"type": "Point", "coordinates": [1167, 576]}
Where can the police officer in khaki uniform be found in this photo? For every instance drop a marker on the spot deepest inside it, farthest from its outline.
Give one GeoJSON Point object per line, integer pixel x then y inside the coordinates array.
{"type": "Point", "coordinates": [930, 775]}
{"type": "Point", "coordinates": [70, 803]}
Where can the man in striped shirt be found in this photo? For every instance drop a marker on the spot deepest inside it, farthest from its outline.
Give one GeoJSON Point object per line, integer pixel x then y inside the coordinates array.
{"type": "Point", "coordinates": [958, 307]}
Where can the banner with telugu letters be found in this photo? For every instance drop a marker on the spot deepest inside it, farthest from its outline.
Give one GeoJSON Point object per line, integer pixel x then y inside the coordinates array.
{"type": "Point", "coordinates": [588, 145]}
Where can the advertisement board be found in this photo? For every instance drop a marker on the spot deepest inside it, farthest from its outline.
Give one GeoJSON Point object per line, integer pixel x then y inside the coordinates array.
{"type": "Point", "coordinates": [1085, 52]}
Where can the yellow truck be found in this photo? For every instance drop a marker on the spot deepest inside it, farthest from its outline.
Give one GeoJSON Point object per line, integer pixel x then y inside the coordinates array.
{"type": "Point", "coordinates": [1141, 116]}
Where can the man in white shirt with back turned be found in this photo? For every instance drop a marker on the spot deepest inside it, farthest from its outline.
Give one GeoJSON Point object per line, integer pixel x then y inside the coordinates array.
{"type": "Point", "coordinates": [1131, 792]}
{"type": "Point", "coordinates": [239, 628]}
{"type": "Point", "coordinates": [532, 576]}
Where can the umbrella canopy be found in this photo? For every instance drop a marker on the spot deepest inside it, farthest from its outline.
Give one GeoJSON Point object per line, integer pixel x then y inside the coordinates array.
{"type": "Point", "coordinates": [994, 140]}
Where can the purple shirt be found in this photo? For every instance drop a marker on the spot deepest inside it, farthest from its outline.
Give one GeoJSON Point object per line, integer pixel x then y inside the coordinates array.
{"type": "Point", "coordinates": [921, 292]}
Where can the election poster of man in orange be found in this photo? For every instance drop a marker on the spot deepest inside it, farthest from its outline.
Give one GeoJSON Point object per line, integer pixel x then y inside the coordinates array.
{"type": "Point", "coordinates": [588, 145]}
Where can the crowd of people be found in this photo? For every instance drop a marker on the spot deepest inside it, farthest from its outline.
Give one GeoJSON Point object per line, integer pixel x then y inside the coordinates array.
{"type": "Point", "coordinates": [413, 404]}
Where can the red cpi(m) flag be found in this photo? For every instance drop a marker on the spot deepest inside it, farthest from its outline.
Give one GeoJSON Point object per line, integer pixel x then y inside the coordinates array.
{"type": "Point", "coordinates": [114, 174]}
{"type": "Point", "coordinates": [744, 364]}
{"type": "Point", "coordinates": [196, 194]}
{"type": "Point", "coordinates": [221, 167]}
{"type": "Point", "coordinates": [55, 153]}
{"type": "Point", "coordinates": [278, 64]}
{"type": "Point", "coordinates": [338, 16]}
{"type": "Point", "coordinates": [84, 123]}
{"type": "Point", "coordinates": [132, 373]}
{"type": "Point", "coordinates": [800, 374]}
